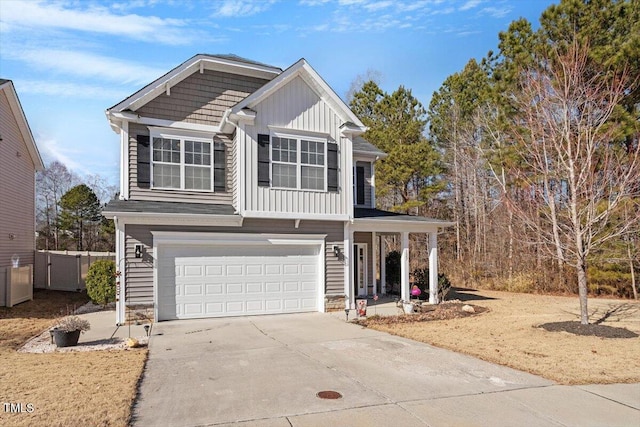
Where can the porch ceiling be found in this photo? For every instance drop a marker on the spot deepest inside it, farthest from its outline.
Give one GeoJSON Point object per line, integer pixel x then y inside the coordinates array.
{"type": "Point", "coordinates": [384, 221]}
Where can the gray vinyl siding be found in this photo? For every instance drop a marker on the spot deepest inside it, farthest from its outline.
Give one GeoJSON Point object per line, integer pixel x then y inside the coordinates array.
{"type": "Point", "coordinates": [17, 199]}
{"type": "Point", "coordinates": [139, 275]}
{"type": "Point", "coordinates": [137, 193]}
{"type": "Point", "coordinates": [367, 183]}
{"type": "Point", "coordinates": [361, 237]}
{"type": "Point", "coordinates": [201, 98]}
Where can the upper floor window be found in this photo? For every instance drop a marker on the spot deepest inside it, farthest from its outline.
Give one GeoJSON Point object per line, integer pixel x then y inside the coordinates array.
{"type": "Point", "coordinates": [187, 163]}
{"type": "Point", "coordinates": [298, 163]}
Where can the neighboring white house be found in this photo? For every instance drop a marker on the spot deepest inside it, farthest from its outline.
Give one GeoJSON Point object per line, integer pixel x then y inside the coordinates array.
{"type": "Point", "coordinates": [19, 161]}
{"type": "Point", "coordinates": [246, 189]}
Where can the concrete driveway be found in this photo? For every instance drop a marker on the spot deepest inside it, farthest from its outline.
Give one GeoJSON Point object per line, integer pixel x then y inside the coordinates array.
{"type": "Point", "coordinates": [267, 371]}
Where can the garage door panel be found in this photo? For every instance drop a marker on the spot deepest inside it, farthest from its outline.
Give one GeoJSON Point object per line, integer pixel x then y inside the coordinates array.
{"type": "Point", "coordinates": [199, 281]}
{"type": "Point", "coordinates": [253, 288]}
{"type": "Point", "coordinates": [254, 269]}
{"type": "Point", "coordinates": [214, 289]}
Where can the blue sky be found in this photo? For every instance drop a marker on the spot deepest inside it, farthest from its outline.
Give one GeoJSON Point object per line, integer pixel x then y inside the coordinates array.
{"type": "Point", "coordinates": [71, 60]}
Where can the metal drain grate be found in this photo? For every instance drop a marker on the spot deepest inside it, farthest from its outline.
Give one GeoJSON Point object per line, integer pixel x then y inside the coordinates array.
{"type": "Point", "coordinates": [329, 394]}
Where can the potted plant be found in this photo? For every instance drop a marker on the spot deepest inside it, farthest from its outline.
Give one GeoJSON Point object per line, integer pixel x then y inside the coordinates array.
{"type": "Point", "coordinates": [67, 332]}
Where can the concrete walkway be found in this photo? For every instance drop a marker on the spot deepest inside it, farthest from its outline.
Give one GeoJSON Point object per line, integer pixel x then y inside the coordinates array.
{"type": "Point", "coordinates": [267, 371]}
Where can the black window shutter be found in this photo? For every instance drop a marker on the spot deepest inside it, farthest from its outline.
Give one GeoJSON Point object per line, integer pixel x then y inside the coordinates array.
{"type": "Point", "coordinates": [360, 185]}
{"type": "Point", "coordinates": [263, 160]}
{"type": "Point", "coordinates": [332, 166]}
{"type": "Point", "coordinates": [144, 156]}
{"type": "Point", "coordinates": [219, 167]}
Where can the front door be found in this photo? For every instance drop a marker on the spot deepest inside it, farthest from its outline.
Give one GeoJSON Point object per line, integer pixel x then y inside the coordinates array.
{"type": "Point", "coordinates": [360, 268]}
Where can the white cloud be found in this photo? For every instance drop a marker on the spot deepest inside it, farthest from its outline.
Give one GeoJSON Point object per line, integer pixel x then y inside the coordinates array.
{"type": "Point", "coordinates": [39, 14]}
{"type": "Point", "coordinates": [241, 8]}
{"type": "Point", "coordinates": [378, 5]}
{"type": "Point", "coordinates": [71, 90]}
{"type": "Point", "coordinates": [51, 150]}
{"type": "Point", "coordinates": [470, 4]}
{"type": "Point", "coordinates": [88, 65]}
{"type": "Point", "coordinates": [497, 12]}
{"type": "Point", "coordinates": [313, 2]}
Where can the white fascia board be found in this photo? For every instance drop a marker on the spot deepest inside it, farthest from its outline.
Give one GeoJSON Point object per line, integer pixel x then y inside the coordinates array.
{"type": "Point", "coordinates": [300, 132]}
{"type": "Point", "coordinates": [213, 238]}
{"type": "Point", "coordinates": [175, 132]}
{"type": "Point", "coordinates": [351, 129]}
{"type": "Point", "coordinates": [184, 70]}
{"type": "Point", "coordinates": [396, 226]}
{"type": "Point", "coordinates": [155, 218]}
{"type": "Point", "coordinates": [293, 215]}
{"type": "Point", "coordinates": [149, 121]}
{"type": "Point", "coordinates": [23, 124]}
{"type": "Point", "coordinates": [367, 156]}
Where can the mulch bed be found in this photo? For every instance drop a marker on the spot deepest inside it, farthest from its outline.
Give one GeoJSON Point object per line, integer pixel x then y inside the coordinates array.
{"type": "Point", "coordinates": [577, 328]}
{"type": "Point", "coordinates": [443, 311]}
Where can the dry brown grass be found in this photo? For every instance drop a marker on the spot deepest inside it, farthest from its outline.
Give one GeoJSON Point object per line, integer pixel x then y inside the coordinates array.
{"type": "Point", "coordinates": [508, 335]}
{"type": "Point", "coordinates": [83, 388]}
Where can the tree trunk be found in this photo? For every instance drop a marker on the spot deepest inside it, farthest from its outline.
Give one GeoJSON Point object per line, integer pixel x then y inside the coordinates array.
{"type": "Point", "coordinates": [581, 269]}
{"type": "Point", "coordinates": [633, 275]}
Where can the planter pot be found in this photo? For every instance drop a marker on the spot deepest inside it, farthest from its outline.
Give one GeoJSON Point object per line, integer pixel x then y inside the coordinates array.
{"type": "Point", "coordinates": [66, 339]}
{"type": "Point", "coordinates": [408, 307]}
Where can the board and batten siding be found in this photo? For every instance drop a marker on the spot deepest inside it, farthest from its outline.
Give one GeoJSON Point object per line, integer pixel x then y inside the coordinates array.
{"type": "Point", "coordinates": [137, 193]}
{"type": "Point", "coordinates": [297, 109]}
{"type": "Point", "coordinates": [139, 274]}
{"type": "Point", "coordinates": [17, 191]}
{"type": "Point", "coordinates": [202, 97]}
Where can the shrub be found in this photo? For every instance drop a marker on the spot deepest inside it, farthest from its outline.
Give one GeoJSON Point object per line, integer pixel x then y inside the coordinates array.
{"type": "Point", "coordinates": [101, 282]}
{"type": "Point", "coordinates": [73, 323]}
{"type": "Point", "coordinates": [421, 277]}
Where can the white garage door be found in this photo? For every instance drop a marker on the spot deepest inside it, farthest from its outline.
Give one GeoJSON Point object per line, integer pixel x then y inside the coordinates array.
{"type": "Point", "coordinates": [197, 281]}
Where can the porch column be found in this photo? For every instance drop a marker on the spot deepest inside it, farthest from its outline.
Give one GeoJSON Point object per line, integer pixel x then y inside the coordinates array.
{"type": "Point", "coordinates": [383, 265]}
{"type": "Point", "coordinates": [374, 262]}
{"type": "Point", "coordinates": [404, 267]}
{"type": "Point", "coordinates": [433, 268]}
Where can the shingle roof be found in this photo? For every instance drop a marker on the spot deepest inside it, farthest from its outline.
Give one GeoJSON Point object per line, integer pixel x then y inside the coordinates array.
{"type": "Point", "coordinates": [3, 81]}
{"type": "Point", "coordinates": [232, 57]}
{"type": "Point", "coordinates": [143, 206]}
{"type": "Point", "coordinates": [361, 145]}
{"type": "Point", "coordinates": [373, 214]}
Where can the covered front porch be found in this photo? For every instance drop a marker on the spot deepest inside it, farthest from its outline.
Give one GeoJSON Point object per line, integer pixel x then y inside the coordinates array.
{"type": "Point", "coordinates": [365, 269]}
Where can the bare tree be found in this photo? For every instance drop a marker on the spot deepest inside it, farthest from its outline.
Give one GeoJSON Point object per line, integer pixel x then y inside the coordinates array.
{"type": "Point", "coordinates": [51, 184]}
{"type": "Point", "coordinates": [574, 163]}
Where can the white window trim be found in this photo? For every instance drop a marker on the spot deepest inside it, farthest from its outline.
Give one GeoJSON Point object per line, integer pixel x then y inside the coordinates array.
{"type": "Point", "coordinates": [182, 135]}
{"type": "Point", "coordinates": [298, 137]}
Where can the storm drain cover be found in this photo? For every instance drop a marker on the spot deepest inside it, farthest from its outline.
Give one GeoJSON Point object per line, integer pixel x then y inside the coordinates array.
{"type": "Point", "coordinates": [329, 394]}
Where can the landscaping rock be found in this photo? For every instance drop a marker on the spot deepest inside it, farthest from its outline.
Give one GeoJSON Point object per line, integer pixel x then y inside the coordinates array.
{"type": "Point", "coordinates": [468, 309]}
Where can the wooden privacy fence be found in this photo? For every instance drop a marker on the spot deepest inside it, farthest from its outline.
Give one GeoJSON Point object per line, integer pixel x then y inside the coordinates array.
{"type": "Point", "coordinates": [16, 285]}
{"type": "Point", "coordinates": [65, 270]}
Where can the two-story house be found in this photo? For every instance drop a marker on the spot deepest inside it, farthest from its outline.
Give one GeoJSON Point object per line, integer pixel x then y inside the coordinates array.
{"type": "Point", "coordinates": [246, 189]}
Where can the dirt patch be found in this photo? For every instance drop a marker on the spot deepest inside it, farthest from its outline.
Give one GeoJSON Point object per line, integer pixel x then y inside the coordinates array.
{"type": "Point", "coordinates": [508, 334]}
{"type": "Point", "coordinates": [577, 328]}
{"type": "Point", "coordinates": [64, 388]}
{"type": "Point", "coordinates": [445, 311]}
